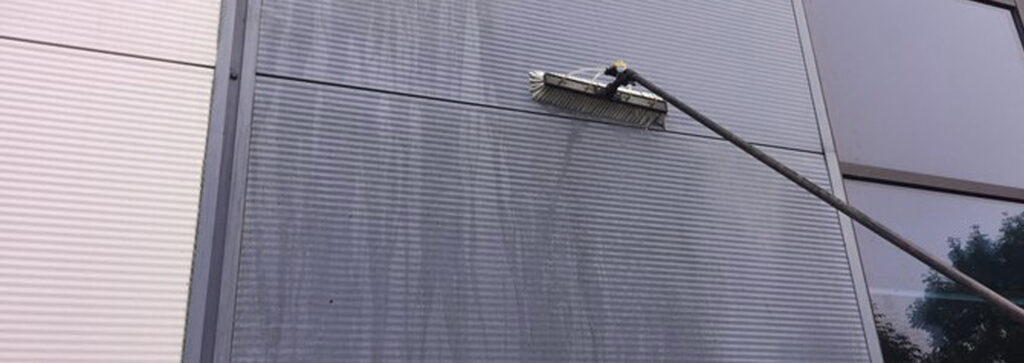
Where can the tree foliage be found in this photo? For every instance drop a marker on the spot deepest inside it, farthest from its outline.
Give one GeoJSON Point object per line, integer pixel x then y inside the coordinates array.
{"type": "Point", "coordinates": [896, 346]}
{"type": "Point", "coordinates": [961, 328]}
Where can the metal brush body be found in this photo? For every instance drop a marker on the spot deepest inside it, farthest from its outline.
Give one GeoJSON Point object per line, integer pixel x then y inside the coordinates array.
{"type": "Point", "coordinates": [627, 106]}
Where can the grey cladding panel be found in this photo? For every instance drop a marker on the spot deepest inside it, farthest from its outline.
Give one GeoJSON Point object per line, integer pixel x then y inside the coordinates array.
{"type": "Point", "coordinates": [740, 62]}
{"type": "Point", "coordinates": [391, 228]}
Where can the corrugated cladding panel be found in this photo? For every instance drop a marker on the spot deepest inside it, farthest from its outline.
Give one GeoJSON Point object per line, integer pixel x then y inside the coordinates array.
{"type": "Point", "coordinates": [100, 160]}
{"type": "Point", "coordinates": [181, 30]}
{"type": "Point", "coordinates": [738, 61]}
{"type": "Point", "coordinates": [390, 228]}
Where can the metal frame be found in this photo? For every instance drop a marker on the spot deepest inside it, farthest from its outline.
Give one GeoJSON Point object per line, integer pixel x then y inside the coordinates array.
{"type": "Point", "coordinates": [1014, 6]}
{"type": "Point", "coordinates": [211, 291]}
{"type": "Point", "coordinates": [930, 182]}
{"type": "Point", "coordinates": [1003, 3]}
{"type": "Point", "coordinates": [1018, 17]}
{"type": "Point", "coordinates": [239, 173]}
{"type": "Point", "coordinates": [836, 180]}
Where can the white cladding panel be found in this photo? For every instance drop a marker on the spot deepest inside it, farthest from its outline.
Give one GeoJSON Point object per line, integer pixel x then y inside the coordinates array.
{"type": "Point", "coordinates": [100, 160]}
{"type": "Point", "coordinates": [180, 30]}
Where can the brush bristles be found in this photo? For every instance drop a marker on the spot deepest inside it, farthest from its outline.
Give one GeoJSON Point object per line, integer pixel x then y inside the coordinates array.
{"type": "Point", "coordinates": [603, 107]}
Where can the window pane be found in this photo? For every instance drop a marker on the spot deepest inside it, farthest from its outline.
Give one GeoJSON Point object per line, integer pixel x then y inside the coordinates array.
{"type": "Point", "coordinates": [929, 86]}
{"type": "Point", "coordinates": [982, 237]}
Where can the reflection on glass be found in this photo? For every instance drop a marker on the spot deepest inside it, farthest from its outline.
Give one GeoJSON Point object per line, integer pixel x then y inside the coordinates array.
{"type": "Point", "coordinates": [921, 316]}
{"type": "Point", "coordinates": [896, 345]}
{"type": "Point", "coordinates": [928, 86]}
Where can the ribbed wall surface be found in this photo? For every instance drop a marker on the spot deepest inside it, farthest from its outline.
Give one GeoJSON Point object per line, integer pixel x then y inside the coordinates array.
{"type": "Point", "coordinates": [738, 61]}
{"type": "Point", "coordinates": [391, 228]}
{"type": "Point", "coordinates": [180, 30]}
{"type": "Point", "coordinates": [100, 160]}
{"type": "Point", "coordinates": [401, 206]}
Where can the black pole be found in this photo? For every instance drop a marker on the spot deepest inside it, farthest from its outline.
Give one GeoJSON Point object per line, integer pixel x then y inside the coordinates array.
{"type": "Point", "coordinates": [1014, 311]}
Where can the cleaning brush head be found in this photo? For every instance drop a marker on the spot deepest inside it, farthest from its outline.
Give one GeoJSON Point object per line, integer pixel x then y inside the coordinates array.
{"type": "Point", "coordinates": [589, 96]}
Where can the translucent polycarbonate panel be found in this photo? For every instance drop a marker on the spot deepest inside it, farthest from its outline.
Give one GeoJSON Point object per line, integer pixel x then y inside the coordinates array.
{"type": "Point", "coordinates": [928, 86]}
{"type": "Point", "coordinates": [982, 237]}
{"type": "Point", "coordinates": [389, 228]}
{"type": "Point", "coordinates": [738, 61]}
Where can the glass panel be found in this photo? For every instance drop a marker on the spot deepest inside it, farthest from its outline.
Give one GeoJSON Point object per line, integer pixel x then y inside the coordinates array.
{"type": "Point", "coordinates": [929, 86]}
{"type": "Point", "coordinates": [924, 317]}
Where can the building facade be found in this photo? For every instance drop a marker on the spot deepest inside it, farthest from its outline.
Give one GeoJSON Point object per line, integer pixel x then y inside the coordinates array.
{"type": "Point", "coordinates": [318, 180]}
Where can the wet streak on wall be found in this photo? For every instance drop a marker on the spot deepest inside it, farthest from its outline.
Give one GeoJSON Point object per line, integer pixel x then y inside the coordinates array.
{"type": "Point", "coordinates": [393, 228]}
{"type": "Point", "coordinates": [402, 206]}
